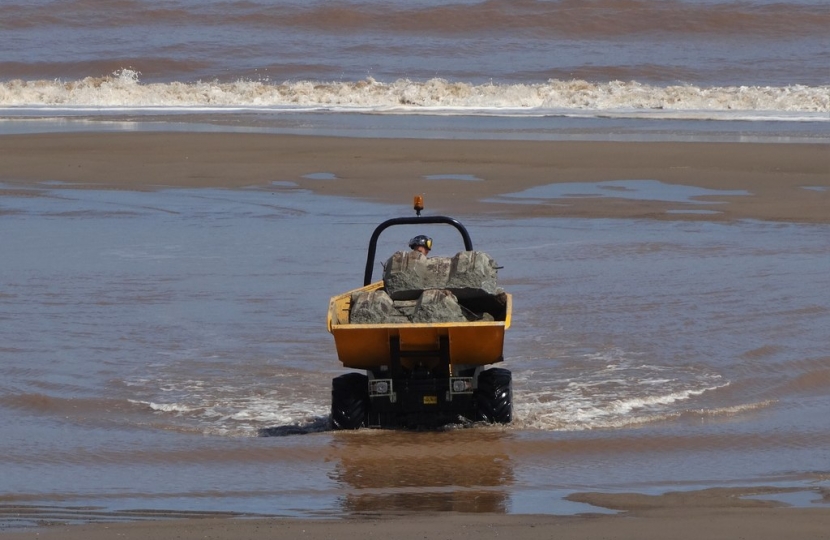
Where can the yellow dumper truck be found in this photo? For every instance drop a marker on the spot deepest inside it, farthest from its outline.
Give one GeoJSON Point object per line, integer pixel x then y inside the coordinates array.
{"type": "Point", "coordinates": [422, 338]}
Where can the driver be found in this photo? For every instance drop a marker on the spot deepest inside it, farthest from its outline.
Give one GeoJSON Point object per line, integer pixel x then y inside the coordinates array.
{"type": "Point", "coordinates": [421, 243]}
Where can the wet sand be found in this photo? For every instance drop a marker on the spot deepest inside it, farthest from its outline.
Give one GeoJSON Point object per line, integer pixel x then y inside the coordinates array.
{"type": "Point", "coordinates": [785, 182]}
{"type": "Point", "coordinates": [710, 514]}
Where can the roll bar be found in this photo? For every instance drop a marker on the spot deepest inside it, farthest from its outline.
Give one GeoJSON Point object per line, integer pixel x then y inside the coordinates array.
{"type": "Point", "coordinates": [418, 220]}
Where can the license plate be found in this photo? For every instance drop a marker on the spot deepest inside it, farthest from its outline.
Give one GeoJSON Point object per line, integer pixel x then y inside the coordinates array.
{"type": "Point", "coordinates": [430, 400]}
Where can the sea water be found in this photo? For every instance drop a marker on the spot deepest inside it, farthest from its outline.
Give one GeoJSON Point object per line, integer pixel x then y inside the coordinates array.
{"type": "Point", "coordinates": [168, 350]}
{"type": "Point", "coordinates": [546, 69]}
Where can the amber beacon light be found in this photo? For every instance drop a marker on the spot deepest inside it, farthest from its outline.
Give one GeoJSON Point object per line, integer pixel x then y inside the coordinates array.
{"type": "Point", "coordinates": [419, 204]}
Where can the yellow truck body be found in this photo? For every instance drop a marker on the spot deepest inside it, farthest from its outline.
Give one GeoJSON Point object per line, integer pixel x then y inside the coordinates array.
{"type": "Point", "coordinates": [367, 346]}
{"type": "Point", "coordinates": [422, 366]}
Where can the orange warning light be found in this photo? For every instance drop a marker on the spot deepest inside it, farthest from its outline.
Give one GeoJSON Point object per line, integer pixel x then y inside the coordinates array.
{"type": "Point", "coordinates": [419, 204]}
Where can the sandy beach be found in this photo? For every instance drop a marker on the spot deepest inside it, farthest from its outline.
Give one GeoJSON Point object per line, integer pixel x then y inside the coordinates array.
{"type": "Point", "coordinates": [785, 182]}
{"type": "Point", "coordinates": [689, 517]}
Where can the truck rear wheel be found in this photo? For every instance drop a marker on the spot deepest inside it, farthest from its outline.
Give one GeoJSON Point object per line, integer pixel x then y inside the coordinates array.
{"type": "Point", "coordinates": [494, 396]}
{"type": "Point", "coordinates": [349, 401]}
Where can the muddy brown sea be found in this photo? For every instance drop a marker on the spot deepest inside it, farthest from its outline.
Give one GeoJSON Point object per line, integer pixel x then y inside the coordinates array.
{"type": "Point", "coordinates": [168, 351]}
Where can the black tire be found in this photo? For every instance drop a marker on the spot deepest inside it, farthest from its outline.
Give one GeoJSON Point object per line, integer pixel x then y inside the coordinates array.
{"type": "Point", "coordinates": [494, 396]}
{"type": "Point", "coordinates": [349, 401]}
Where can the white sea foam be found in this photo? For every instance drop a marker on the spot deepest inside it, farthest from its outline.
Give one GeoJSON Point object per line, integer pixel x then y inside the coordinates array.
{"type": "Point", "coordinates": [570, 411]}
{"type": "Point", "coordinates": [166, 407]}
{"type": "Point", "coordinates": [228, 409]}
{"type": "Point", "coordinates": [608, 389]}
{"type": "Point", "coordinates": [124, 92]}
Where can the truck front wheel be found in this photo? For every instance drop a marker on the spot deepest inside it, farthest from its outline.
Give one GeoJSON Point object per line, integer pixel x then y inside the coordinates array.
{"type": "Point", "coordinates": [349, 401]}
{"type": "Point", "coordinates": [494, 396]}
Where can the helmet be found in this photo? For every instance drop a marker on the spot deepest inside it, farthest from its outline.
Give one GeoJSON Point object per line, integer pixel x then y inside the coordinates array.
{"type": "Point", "coordinates": [421, 240]}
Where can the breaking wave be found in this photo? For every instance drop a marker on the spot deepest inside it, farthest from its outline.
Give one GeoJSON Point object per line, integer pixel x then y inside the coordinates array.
{"type": "Point", "coordinates": [124, 92]}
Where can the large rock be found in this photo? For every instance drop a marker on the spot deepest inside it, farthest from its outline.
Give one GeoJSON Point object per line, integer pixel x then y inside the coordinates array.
{"type": "Point", "coordinates": [438, 306]}
{"type": "Point", "coordinates": [473, 274]}
{"type": "Point", "coordinates": [407, 273]}
{"type": "Point", "coordinates": [469, 274]}
{"type": "Point", "coordinates": [375, 307]}
{"type": "Point", "coordinates": [425, 289]}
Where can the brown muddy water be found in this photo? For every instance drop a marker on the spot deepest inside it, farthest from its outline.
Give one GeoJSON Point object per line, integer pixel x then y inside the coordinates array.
{"type": "Point", "coordinates": [150, 341]}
